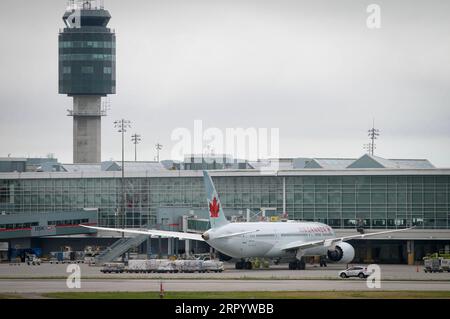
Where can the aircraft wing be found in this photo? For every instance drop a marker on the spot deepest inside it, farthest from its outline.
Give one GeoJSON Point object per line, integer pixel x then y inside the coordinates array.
{"type": "Point", "coordinates": [152, 232]}
{"type": "Point", "coordinates": [330, 241]}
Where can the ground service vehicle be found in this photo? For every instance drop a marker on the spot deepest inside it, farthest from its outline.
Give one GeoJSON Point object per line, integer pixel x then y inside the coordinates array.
{"type": "Point", "coordinates": [137, 266]}
{"type": "Point", "coordinates": [432, 265]}
{"type": "Point", "coordinates": [445, 265]}
{"type": "Point", "coordinates": [167, 266]}
{"type": "Point", "coordinates": [33, 260]}
{"type": "Point", "coordinates": [173, 266]}
{"type": "Point", "coordinates": [189, 265]}
{"type": "Point", "coordinates": [109, 268]}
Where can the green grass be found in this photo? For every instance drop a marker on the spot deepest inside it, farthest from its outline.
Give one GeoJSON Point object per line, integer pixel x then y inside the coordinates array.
{"type": "Point", "coordinates": [10, 296]}
{"type": "Point", "coordinates": [256, 295]}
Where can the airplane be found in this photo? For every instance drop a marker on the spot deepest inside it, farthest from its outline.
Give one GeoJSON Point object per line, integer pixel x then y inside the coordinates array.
{"type": "Point", "coordinates": [269, 240]}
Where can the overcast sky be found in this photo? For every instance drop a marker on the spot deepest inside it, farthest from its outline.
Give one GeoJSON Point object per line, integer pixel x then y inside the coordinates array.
{"type": "Point", "coordinates": [311, 68]}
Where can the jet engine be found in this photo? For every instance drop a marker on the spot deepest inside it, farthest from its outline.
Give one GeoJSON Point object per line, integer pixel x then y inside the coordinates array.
{"type": "Point", "coordinates": [205, 235]}
{"type": "Point", "coordinates": [342, 253]}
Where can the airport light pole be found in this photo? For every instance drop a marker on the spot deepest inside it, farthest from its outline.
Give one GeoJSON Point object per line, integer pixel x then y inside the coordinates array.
{"type": "Point", "coordinates": [158, 147]}
{"type": "Point", "coordinates": [121, 126]}
{"type": "Point", "coordinates": [136, 139]}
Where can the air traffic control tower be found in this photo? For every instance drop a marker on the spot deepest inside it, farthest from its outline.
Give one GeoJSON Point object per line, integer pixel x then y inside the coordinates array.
{"type": "Point", "coordinates": [87, 72]}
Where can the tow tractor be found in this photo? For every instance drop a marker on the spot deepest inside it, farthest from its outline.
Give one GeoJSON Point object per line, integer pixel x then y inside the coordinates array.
{"type": "Point", "coordinates": [33, 260]}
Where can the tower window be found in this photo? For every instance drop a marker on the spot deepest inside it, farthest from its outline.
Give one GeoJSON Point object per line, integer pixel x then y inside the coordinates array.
{"type": "Point", "coordinates": [107, 70]}
{"type": "Point", "coordinates": [67, 70]}
{"type": "Point", "coordinates": [87, 69]}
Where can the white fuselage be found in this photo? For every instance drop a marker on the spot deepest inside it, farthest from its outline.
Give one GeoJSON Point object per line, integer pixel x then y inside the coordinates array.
{"type": "Point", "coordinates": [268, 238]}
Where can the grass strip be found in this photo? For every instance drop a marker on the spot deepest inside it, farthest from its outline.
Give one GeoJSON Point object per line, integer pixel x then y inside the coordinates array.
{"type": "Point", "coordinates": [256, 295]}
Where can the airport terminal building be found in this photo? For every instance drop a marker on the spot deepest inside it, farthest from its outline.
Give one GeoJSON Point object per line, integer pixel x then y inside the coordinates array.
{"type": "Point", "coordinates": [43, 205]}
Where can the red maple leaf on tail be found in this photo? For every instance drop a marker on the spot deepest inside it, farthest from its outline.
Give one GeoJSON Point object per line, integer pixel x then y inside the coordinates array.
{"type": "Point", "coordinates": [214, 207]}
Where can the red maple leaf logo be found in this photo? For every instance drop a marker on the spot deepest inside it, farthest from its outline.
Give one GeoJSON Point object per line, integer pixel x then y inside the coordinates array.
{"type": "Point", "coordinates": [214, 207]}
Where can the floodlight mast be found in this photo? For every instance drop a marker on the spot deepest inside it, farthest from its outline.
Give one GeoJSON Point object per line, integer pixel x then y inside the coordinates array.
{"type": "Point", "coordinates": [158, 148]}
{"type": "Point", "coordinates": [121, 126]}
{"type": "Point", "coordinates": [136, 139]}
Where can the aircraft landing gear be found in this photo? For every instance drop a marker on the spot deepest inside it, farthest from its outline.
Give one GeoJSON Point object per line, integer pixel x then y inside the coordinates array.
{"type": "Point", "coordinates": [243, 264]}
{"type": "Point", "coordinates": [323, 261]}
{"type": "Point", "coordinates": [297, 265]}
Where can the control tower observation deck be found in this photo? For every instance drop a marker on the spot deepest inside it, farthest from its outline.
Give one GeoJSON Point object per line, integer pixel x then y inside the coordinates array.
{"type": "Point", "coordinates": [87, 72]}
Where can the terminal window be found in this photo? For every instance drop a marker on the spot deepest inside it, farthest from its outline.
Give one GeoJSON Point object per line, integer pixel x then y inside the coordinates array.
{"type": "Point", "coordinates": [4, 194]}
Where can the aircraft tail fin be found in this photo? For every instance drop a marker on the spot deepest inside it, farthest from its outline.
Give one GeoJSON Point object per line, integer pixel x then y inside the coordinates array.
{"type": "Point", "coordinates": [216, 216]}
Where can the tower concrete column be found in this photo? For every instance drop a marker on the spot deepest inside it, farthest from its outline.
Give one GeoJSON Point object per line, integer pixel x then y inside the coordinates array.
{"type": "Point", "coordinates": [87, 128]}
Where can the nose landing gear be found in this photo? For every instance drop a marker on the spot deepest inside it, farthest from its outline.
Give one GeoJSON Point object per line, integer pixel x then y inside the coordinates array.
{"type": "Point", "coordinates": [243, 264]}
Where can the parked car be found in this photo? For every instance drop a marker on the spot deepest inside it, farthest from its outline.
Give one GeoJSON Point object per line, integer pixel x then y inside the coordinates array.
{"type": "Point", "coordinates": [355, 271]}
{"type": "Point", "coordinates": [213, 266]}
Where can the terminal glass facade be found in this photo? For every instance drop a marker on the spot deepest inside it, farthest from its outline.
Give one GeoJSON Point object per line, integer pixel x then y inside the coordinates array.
{"type": "Point", "coordinates": [380, 201]}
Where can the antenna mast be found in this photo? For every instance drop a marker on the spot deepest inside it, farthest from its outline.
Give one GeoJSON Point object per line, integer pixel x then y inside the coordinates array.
{"type": "Point", "coordinates": [373, 135]}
